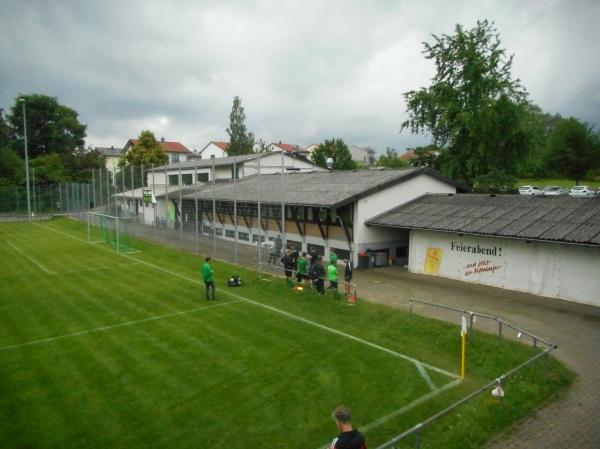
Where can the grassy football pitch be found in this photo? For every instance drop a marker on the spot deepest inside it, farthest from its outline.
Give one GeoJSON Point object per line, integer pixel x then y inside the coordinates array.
{"type": "Point", "coordinates": [105, 350]}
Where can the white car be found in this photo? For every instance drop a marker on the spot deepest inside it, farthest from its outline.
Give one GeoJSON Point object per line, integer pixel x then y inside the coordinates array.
{"type": "Point", "coordinates": [555, 191]}
{"type": "Point", "coordinates": [530, 190]}
{"type": "Point", "coordinates": [582, 191]}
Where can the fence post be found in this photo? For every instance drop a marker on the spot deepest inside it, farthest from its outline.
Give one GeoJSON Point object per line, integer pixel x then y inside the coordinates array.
{"type": "Point", "coordinates": [534, 349]}
{"type": "Point", "coordinates": [410, 307]}
{"type": "Point", "coordinates": [500, 331]}
{"type": "Point", "coordinates": [418, 438]}
{"type": "Point", "coordinates": [546, 366]}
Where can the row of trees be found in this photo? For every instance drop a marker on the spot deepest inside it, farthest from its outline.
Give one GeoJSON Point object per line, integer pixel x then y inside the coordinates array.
{"type": "Point", "coordinates": [484, 130]}
{"type": "Point", "coordinates": [55, 142]}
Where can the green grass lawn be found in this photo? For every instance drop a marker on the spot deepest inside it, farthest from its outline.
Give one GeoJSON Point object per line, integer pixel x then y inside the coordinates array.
{"type": "Point", "coordinates": [117, 351]}
{"type": "Point", "coordinates": [566, 183]}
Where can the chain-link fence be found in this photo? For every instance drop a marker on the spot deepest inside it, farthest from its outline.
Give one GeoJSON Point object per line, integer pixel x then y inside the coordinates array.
{"type": "Point", "coordinates": [237, 209]}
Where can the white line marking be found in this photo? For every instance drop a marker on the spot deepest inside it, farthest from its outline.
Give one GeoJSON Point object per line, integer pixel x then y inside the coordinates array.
{"type": "Point", "coordinates": [406, 408]}
{"type": "Point", "coordinates": [282, 312]}
{"type": "Point", "coordinates": [425, 375]}
{"type": "Point", "coordinates": [113, 326]}
{"type": "Point", "coordinates": [29, 257]}
{"type": "Point", "coordinates": [102, 267]}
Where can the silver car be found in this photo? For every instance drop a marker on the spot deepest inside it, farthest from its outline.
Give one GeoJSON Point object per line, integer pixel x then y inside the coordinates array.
{"type": "Point", "coordinates": [555, 191]}
{"type": "Point", "coordinates": [530, 190]}
{"type": "Point", "coordinates": [582, 191]}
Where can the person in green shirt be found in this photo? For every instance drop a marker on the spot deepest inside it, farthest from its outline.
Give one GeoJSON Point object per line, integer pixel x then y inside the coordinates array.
{"type": "Point", "coordinates": [302, 272]}
{"type": "Point", "coordinates": [333, 258]}
{"type": "Point", "coordinates": [332, 276]}
{"type": "Point", "coordinates": [207, 274]}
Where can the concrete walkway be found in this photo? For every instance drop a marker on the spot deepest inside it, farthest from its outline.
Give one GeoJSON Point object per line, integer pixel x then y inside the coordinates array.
{"type": "Point", "coordinates": [568, 423]}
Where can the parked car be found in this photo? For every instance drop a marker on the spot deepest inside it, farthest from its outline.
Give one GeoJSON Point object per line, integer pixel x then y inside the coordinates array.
{"type": "Point", "coordinates": [530, 190]}
{"type": "Point", "coordinates": [582, 191]}
{"type": "Point", "coordinates": [555, 191]}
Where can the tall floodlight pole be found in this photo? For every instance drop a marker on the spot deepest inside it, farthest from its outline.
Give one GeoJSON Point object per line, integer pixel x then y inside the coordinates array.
{"type": "Point", "coordinates": [22, 100]}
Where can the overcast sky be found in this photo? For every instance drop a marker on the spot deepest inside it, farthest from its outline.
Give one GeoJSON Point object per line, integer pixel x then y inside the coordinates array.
{"type": "Point", "coordinates": [305, 70]}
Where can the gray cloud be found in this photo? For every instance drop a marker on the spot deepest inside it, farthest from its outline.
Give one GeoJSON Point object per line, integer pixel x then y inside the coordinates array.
{"type": "Point", "coordinates": [305, 70]}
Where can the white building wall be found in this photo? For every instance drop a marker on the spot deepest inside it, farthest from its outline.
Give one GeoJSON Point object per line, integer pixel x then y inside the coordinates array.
{"type": "Point", "coordinates": [373, 238]}
{"type": "Point", "coordinates": [542, 268]}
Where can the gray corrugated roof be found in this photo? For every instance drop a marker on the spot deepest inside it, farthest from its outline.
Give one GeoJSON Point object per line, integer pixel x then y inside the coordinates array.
{"type": "Point", "coordinates": [556, 218]}
{"type": "Point", "coordinates": [320, 189]}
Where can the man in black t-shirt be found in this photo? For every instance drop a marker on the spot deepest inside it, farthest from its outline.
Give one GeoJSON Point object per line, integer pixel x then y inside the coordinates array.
{"type": "Point", "coordinates": [349, 438]}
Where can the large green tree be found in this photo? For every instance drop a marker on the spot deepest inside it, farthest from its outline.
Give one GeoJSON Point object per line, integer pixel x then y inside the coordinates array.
{"type": "Point", "coordinates": [473, 108]}
{"type": "Point", "coordinates": [12, 168]}
{"type": "Point", "coordinates": [573, 149]}
{"type": "Point", "coordinates": [147, 151]}
{"type": "Point", "coordinates": [51, 127]}
{"type": "Point", "coordinates": [240, 140]}
{"type": "Point", "coordinates": [336, 149]}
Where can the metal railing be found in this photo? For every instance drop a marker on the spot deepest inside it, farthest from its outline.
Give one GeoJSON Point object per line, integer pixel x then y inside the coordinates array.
{"type": "Point", "coordinates": [418, 428]}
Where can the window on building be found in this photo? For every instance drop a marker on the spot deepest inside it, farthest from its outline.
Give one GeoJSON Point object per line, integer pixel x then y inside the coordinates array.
{"type": "Point", "coordinates": [237, 172]}
{"type": "Point", "coordinates": [243, 236]}
{"type": "Point", "coordinates": [219, 231]}
{"type": "Point", "coordinates": [255, 238]}
{"type": "Point", "coordinates": [341, 253]}
{"type": "Point", "coordinates": [230, 233]}
{"type": "Point", "coordinates": [294, 244]}
{"type": "Point", "coordinates": [174, 157]}
{"type": "Point", "coordinates": [173, 180]}
{"type": "Point", "coordinates": [187, 179]}
{"type": "Point", "coordinates": [320, 249]}
{"type": "Point", "coordinates": [202, 177]}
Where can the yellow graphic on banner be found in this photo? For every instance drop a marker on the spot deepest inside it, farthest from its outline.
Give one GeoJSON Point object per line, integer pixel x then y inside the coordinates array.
{"type": "Point", "coordinates": [433, 260]}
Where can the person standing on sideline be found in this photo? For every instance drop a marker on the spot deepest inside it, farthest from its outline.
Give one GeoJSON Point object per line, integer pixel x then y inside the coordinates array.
{"type": "Point", "coordinates": [348, 438]}
{"type": "Point", "coordinates": [333, 258]}
{"type": "Point", "coordinates": [288, 267]}
{"type": "Point", "coordinates": [207, 274]}
{"type": "Point", "coordinates": [312, 253]}
{"type": "Point", "coordinates": [302, 273]}
{"type": "Point", "coordinates": [348, 276]}
{"type": "Point", "coordinates": [319, 276]}
{"type": "Point", "coordinates": [332, 276]}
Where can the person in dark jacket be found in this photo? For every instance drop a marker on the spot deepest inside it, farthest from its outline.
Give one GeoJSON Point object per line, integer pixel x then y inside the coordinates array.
{"type": "Point", "coordinates": [288, 267]}
{"type": "Point", "coordinates": [348, 438]}
{"type": "Point", "coordinates": [319, 276]}
{"type": "Point", "coordinates": [348, 275]}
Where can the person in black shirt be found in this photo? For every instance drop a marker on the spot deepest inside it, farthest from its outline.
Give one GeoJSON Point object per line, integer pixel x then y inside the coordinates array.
{"type": "Point", "coordinates": [348, 275]}
{"type": "Point", "coordinates": [289, 268]}
{"type": "Point", "coordinates": [319, 276]}
{"type": "Point", "coordinates": [348, 438]}
{"type": "Point", "coordinates": [312, 252]}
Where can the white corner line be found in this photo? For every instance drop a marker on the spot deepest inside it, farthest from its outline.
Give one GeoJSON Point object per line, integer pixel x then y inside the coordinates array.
{"type": "Point", "coordinates": [113, 326]}
{"type": "Point", "coordinates": [274, 309]}
{"type": "Point", "coordinates": [406, 408]}
{"type": "Point", "coordinates": [31, 259]}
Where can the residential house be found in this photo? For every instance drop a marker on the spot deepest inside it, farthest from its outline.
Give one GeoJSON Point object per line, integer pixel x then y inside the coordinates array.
{"type": "Point", "coordinates": [362, 155]}
{"type": "Point", "coordinates": [112, 156]}
{"type": "Point", "coordinates": [289, 148]}
{"type": "Point", "coordinates": [214, 149]}
{"type": "Point", "coordinates": [176, 151]}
